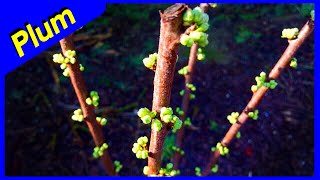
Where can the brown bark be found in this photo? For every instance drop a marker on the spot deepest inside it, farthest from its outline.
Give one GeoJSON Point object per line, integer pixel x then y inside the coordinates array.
{"type": "Point", "coordinates": [170, 31]}
{"type": "Point", "coordinates": [88, 110]}
{"type": "Point", "coordinates": [282, 63]}
{"type": "Point", "coordinates": [186, 97]}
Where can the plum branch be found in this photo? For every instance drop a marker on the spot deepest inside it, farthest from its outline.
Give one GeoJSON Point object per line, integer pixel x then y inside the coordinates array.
{"type": "Point", "coordinates": [87, 110]}
{"type": "Point", "coordinates": [295, 40]}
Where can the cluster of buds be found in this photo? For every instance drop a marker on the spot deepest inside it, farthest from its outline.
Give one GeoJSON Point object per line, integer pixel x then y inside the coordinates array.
{"type": "Point", "coordinates": [197, 171]}
{"type": "Point", "coordinates": [168, 171]}
{"type": "Point", "coordinates": [183, 71]}
{"type": "Point", "coordinates": [151, 61]}
{"type": "Point", "coordinates": [77, 115]}
{"type": "Point", "coordinates": [117, 166]}
{"type": "Point", "coordinates": [233, 117]}
{"type": "Point", "coordinates": [179, 111]}
{"type": "Point", "coordinates": [187, 122]}
{"type": "Point", "coordinates": [93, 99]}
{"type": "Point", "coordinates": [177, 149]}
{"type": "Point", "coordinates": [254, 114]}
{"type": "Point", "coordinates": [63, 61]}
{"type": "Point", "coordinates": [215, 168]}
{"type": "Point", "coordinates": [261, 81]}
{"type": "Point", "coordinates": [200, 54]}
{"type": "Point", "coordinates": [140, 148]}
{"type": "Point", "coordinates": [166, 114]}
{"type": "Point", "coordinates": [222, 149]}
{"type": "Point", "coordinates": [98, 151]}
{"type": "Point", "coordinates": [290, 33]}
{"type": "Point", "coordinates": [294, 63]}
{"type": "Point", "coordinates": [199, 19]}
{"type": "Point", "coordinates": [101, 121]}
{"type": "Point", "coordinates": [146, 115]}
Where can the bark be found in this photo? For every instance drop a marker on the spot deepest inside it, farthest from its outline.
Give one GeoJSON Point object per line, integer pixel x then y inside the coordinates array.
{"type": "Point", "coordinates": [282, 63]}
{"type": "Point", "coordinates": [88, 110]}
{"type": "Point", "coordinates": [170, 31]}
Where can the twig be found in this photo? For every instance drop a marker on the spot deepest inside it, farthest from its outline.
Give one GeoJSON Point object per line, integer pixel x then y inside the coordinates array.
{"type": "Point", "coordinates": [170, 31]}
{"type": "Point", "coordinates": [88, 110]}
{"type": "Point", "coordinates": [282, 63]}
{"type": "Point", "coordinates": [186, 97]}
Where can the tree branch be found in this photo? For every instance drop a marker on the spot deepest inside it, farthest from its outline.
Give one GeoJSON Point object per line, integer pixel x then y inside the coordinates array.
{"type": "Point", "coordinates": [282, 63]}
{"type": "Point", "coordinates": [88, 110]}
{"type": "Point", "coordinates": [170, 31]}
{"type": "Point", "coordinates": [186, 97]}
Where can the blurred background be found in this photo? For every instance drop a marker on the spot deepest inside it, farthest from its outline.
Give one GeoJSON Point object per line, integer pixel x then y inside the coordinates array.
{"type": "Point", "coordinates": [41, 138]}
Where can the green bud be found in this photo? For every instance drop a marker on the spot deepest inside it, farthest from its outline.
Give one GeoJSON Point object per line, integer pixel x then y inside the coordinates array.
{"type": "Point", "coordinates": [188, 16]}
{"type": "Point", "coordinates": [184, 39]}
{"type": "Point", "coordinates": [63, 66]}
{"type": "Point", "coordinates": [294, 63]}
{"type": "Point", "coordinates": [238, 135]}
{"type": "Point", "coordinates": [204, 19]}
{"type": "Point", "coordinates": [94, 93]}
{"type": "Point", "coordinates": [72, 60]}
{"type": "Point", "coordinates": [95, 103]}
{"type": "Point", "coordinates": [103, 121]}
{"type": "Point", "coordinates": [192, 96]}
{"type": "Point", "coordinates": [148, 62]}
{"type": "Point", "coordinates": [144, 154]}
{"type": "Point", "coordinates": [146, 119]}
{"type": "Point", "coordinates": [196, 35]}
{"type": "Point", "coordinates": [143, 112]}
{"type": "Point", "coordinates": [167, 118]}
{"type": "Point", "coordinates": [197, 14]}
{"type": "Point", "coordinates": [177, 125]}
{"type": "Point", "coordinates": [74, 117]}
{"type": "Point", "coordinates": [165, 111]}
{"type": "Point", "coordinates": [215, 168]}
{"type": "Point", "coordinates": [66, 60]}
{"type": "Point", "coordinates": [145, 170]}
{"type": "Point", "coordinates": [156, 125]}
{"type": "Point", "coordinates": [181, 92]}
{"type": "Point", "coordinates": [201, 56]}
{"type": "Point", "coordinates": [213, 149]}
{"type": "Point", "coordinates": [254, 88]}
{"type": "Point", "coordinates": [139, 154]}
{"type": "Point", "coordinates": [273, 84]}
{"type": "Point", "coordinates": [89, 101]}
{"type": "Point", "coordinates": [169, 166]}
{"type": "Point", "coordinates": [70, 53]}
{"type": "Point", "coordinates": [290, 33]}
{"type": "Point", "coordinates": [81, 67]}
{"type": "Point", "coordinates": [66, 72]}
{"type": "Point", "coordinates": [141, 142]}
{"type": "Point", "coordinates": [312, 15]}
{"type": "Point", "coordinates": [58, 58]}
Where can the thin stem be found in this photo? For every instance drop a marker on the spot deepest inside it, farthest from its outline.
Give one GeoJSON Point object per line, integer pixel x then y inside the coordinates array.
{"type": "Point", "coordinates": [282, 63]}
{"type": "Point", "coordinates": [88, 110]}
{"type": "Point", "coordinates": [186, 97]}
{"type": "Point", "coordinates": [170, 31]}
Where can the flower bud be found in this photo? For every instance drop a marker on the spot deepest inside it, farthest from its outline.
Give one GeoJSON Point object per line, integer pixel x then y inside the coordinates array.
{"type": "Point", "coordinates": [184, 39]}
{"type": "Point", "coordinates": [197, 13]}
{"type": "Point", "coordinates": [156, 125]}
{"type": "Point", "coordinates": [143, 112]}
{"type": "Point", "coordinates": [188, 16]}
{"type": "Point", "coordinates": [167, 118]}
{"type": "Point", "coordinates": [146, 119]}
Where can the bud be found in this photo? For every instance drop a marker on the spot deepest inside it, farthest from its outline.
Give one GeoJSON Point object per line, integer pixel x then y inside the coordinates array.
{"type": "Point", "coordinates": [188, 16]}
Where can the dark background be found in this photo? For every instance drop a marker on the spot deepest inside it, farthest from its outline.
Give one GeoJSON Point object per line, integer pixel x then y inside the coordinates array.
{"type": "Point", "coordinates": [41, 138]}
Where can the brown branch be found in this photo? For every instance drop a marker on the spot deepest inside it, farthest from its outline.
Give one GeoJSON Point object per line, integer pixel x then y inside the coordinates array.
{"type": "Point", "coordinates": [170, 31]}
{"type": "Point", "coordinates": [282, 63]}
{"type": "Point", "coordinates": [186, 97]}
{"type": "Point", "coordinates": [88, 110]}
